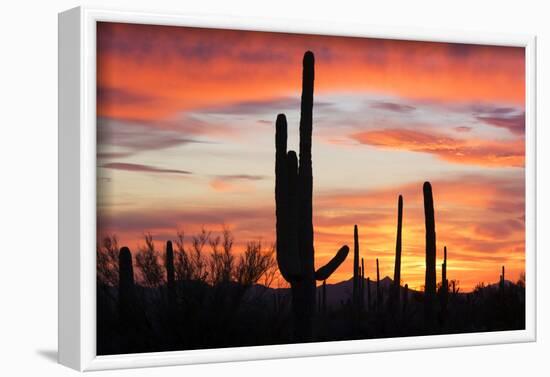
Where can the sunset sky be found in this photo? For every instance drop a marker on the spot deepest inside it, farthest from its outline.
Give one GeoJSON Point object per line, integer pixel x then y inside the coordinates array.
{"type": "Point", "coordinates": [186, 133]}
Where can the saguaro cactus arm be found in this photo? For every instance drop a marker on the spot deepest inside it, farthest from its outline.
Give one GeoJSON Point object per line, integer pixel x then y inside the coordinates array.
{"type": "Point", "coordinates": [323, 273]}
{"type": "Point", "coordinates": [288, 257]}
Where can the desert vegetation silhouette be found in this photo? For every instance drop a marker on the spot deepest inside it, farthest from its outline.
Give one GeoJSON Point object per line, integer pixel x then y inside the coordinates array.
{"type": "Point", "coordinates": [199, 293]}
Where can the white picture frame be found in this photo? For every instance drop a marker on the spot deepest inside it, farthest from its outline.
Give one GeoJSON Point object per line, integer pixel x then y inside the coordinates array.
{"type": "Point", "coordinates": [77, 191]}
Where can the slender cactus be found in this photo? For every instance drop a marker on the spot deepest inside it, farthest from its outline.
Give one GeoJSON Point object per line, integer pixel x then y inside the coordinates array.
{"type": "Point", "coordinates": [126, 286]}
{"type": "Point", "coordinates": [502, 279]}
{"type": "Point", "coordinates": [369, 305]}
{"type": "Point", "coordinates": [444, 285]}
{"type": "Point", "coordinates": [397, 270]}
{"type": "Point", "coordinates": [294, 223]}
{"type": "Point", "coordinates": [170, 276]}
{"type": "Point", "coordinates": [356, 271]}
{"type": "Point", "coordinates": [378, 293]}
{"type": "Point", "coordinates": [444, 280]}
{"type": "Point", "coordinates": [362, 299]}
{"type": "Point", "coordinates": [430, 279]}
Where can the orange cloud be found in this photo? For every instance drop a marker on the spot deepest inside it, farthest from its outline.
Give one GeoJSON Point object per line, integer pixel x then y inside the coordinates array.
{"type": "Point", "coordinates": [461, 151]}
{"type": "Point", "coordinates": [149, 72]}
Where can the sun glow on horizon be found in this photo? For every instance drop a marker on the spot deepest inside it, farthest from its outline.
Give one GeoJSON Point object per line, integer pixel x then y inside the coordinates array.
{"type": "Point", "coordinates": [186, 141]}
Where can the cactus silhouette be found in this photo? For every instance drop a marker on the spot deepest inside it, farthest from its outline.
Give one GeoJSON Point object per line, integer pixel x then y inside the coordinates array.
{"type": "Point", "coordinates": [405, 297]}
{"type": "Point", "coordinates": [356, 270]}
{"type": "Point", "coordinates": [502, 279]}
{"type": "Point", "coordinates": [126, 286]}
{"type": "Point", "coordinates": [430, 279]}
{"type": "Point", "coordinates": [444, 285]}
{"type": "Point", "coordinates": [444, 282]}
{"type": "Point", "coordinates": [324, 289]}
{"type": "Point", "coordinates": [397, 270]}
{"type": "Point", "coordinates": [369, 305]}
{"type": "Point", "coordinates": [362, 300]}
{"type": "Point", "coordinates": [170, 275]}
{"type": "Point", "coordinates": [378, 293]}
{"type": "Point", "coordinates": [294, 223]}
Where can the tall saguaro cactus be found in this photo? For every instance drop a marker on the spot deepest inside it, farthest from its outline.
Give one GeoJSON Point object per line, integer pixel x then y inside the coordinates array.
{"type": "Point", "coordinates": [294, 212]}
{"type": "Point", "coordinates": [502, 279]}
{"type": "Point", "coordinates": [125, 286]}
{"type": "Point", "coordinates": [397, 269]}
{"type": "Point", "coordinates": [430, 279]}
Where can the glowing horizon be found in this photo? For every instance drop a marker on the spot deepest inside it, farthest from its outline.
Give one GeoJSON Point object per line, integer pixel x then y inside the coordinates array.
{"type": "Point", "coordinates": [186, 140]}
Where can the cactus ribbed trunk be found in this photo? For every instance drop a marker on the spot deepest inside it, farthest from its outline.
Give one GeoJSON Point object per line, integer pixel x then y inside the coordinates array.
{"type": "Point", "coordinates": [430, 279]}
{"type": "Point", "coordinates": [397, 269]}
{"type": "Point", "coordinates": [126, 288]}
{"type": "Point", "coordinates": [294, 213]}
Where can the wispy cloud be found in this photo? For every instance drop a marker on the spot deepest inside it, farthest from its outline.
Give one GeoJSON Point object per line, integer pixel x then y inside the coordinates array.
{"type": "Point", "coordinates": [393, 106]}
{"type": "Point", "coordinates": [515, 123]}
{"type": "Point", "coordinates": [142, 168]}
{"type": "Point", "coordinates": [235, 182]}
{"type": "Point", "coordinates": [245, 177]}
{"type": "Point", "coordinates": [129, 137]}
{"type": "Point", "coordinates": [461, 151]}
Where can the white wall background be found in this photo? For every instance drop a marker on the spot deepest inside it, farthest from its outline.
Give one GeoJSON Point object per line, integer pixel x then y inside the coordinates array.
{"type": "Point", "coordinates": [28, 200]}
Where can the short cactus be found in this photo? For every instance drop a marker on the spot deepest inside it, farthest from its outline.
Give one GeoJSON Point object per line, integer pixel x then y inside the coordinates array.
{"type": "Point", "coordinates": [126, 286]}
{"type": "Point", "coordinates": [170, 275]}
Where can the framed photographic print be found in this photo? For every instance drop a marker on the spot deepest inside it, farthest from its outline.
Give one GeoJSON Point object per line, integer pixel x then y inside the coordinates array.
{"type": "Point", "coordinates": [232, 189]}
